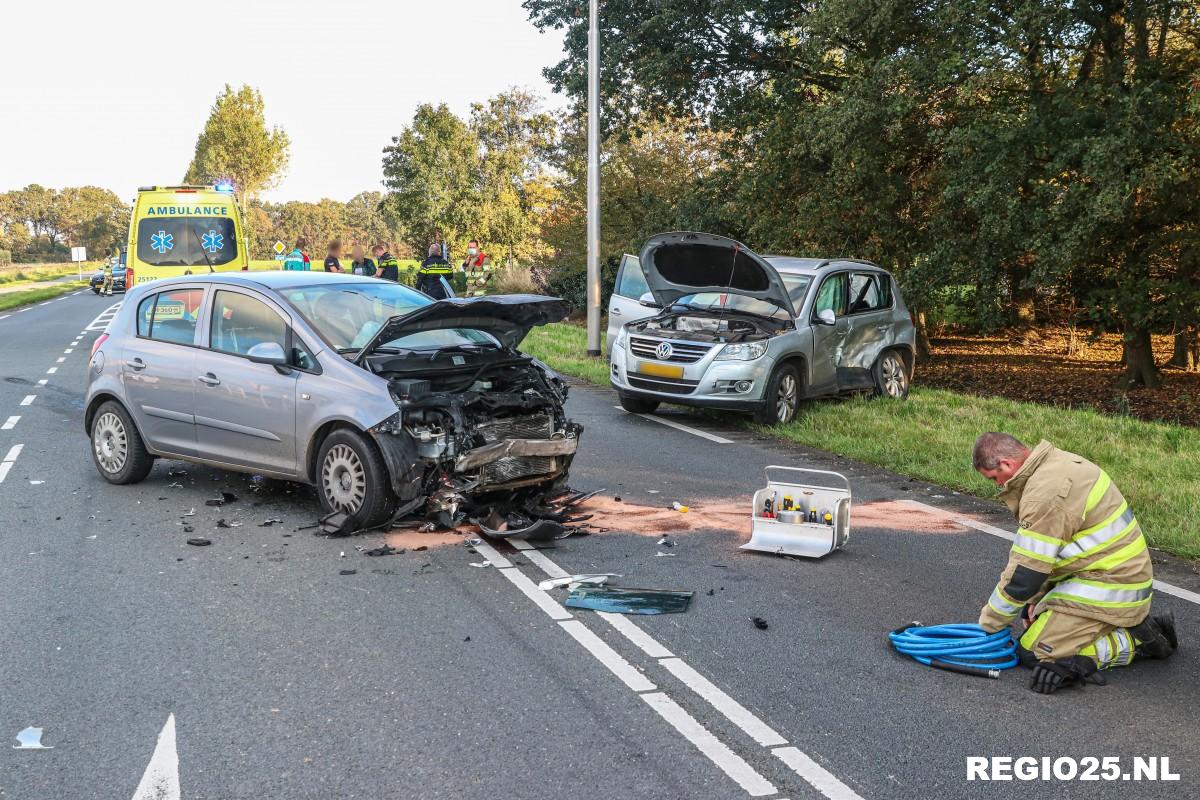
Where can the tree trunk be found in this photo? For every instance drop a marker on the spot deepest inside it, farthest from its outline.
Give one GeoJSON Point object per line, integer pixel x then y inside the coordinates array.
{"type": "Point", "coordinates": [1187, 349]}
{"type": "Point", "coordinates": [1023, 296]}
{"type": "Point", "coordinates": [924, 350]}
{"type": "Point", "coordinates": [1140, 370]}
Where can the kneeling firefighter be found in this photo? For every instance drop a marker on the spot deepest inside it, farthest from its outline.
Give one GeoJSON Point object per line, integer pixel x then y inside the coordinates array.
{"type": "Point", "coordinates": [1078, 567]}
{"type": "Point", "coordinates": [431, 272]}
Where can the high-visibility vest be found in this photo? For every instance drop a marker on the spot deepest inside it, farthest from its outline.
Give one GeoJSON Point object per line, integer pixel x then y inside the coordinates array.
{"type": "Point", "coordinates": [435, 265]}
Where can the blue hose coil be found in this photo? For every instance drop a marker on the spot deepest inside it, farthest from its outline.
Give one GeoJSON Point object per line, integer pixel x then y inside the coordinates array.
{"type": "Point", "coordinates": [963, 645]}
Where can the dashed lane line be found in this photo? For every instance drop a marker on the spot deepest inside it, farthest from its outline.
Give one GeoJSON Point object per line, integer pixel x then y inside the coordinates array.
{"type": "Point", "coordinates": [160, 781]}
{"type": "Point", "coordinates": [52, 370]}
{"type": "Point", "coordinates": [10, 423]}
{"type": "Point", "coordinates": [9, 460]}
{"type": "Point", "coordinates": [29, 398]}
{"type": "Point", "coordinates": [670, 423]}
{"type": "Point", "coordinates": [983, 527]}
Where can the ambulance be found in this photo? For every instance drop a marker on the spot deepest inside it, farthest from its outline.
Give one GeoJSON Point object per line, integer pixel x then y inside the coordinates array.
{"type": "Point", "coordinates": [185, 230]}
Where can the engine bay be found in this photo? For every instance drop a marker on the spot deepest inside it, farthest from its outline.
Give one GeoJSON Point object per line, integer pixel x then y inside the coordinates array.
{"type": "Point", "coordinates": [700, 326]}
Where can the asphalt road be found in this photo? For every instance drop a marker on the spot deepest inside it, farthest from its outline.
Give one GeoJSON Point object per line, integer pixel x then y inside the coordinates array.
{"type": "Point", "coordinates": [253, 669]}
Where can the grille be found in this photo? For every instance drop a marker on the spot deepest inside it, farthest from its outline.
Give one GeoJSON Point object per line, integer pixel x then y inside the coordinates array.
{"type": "Point", "coordinates": [534, 426]}
{"type": "Point", "coordinates": [681, 352]}
{"type": "Point", "coordinates": [668, 385]}
{"type": "Point", "coordinates": [504, 470]}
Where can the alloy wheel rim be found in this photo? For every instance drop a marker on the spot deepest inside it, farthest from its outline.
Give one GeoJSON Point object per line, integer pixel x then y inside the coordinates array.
{"type": "Point", "coordinates": [111, 442]}
{"type": "Point", "coordinates": [343, 479]}
{"type": "Point", "coordinates": [785, 401]}
{"type": "Point", "coordinates": [894, 379]}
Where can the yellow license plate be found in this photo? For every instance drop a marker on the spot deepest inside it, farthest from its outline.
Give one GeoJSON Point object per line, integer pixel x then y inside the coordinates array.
{"type": "Point", "coordinates": [660, 370]}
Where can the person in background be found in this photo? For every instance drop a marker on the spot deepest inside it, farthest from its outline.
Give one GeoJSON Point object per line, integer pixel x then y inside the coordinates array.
{"type": "Point", "coordinates": [359, 263]}
{"type": "Point", "coordinates": [106, 288]}
{"type": "Point", "coordinates": [297, 259]}
{"type": "Point", "coordinates": [431, 272]}
{"type": "Point", "coordinates": [387, 267]}
{"type": "Point", "coordinates": [478, 269]}
{"type": "Point", "coordinates": [333, 256]}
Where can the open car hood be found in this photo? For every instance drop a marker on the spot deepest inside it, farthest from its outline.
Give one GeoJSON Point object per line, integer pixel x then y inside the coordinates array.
{"type": "Point", "coordinates": [508, 317]}
{"type": "Point", "coordinates": [684, 262]}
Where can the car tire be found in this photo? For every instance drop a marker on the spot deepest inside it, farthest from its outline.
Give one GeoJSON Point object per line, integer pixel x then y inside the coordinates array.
{"type": "Point", "coordinates": [118, 451]}
{"type": "Point", "coordinates": [891, 376]}
{"type": "Point", "coordinates": [352, 478]}
{"type": "Point", "coordinates": [781, 401]}
{"type": "Point", "coordinates": [638, 405]}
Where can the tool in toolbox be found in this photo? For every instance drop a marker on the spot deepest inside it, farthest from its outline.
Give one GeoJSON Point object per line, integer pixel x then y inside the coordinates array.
{"type": "Point", "coordinates": [780, 524]}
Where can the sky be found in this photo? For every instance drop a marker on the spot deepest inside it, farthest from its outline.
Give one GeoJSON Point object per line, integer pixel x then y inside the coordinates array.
{"type": "Point", "coordinates": [114, 93]}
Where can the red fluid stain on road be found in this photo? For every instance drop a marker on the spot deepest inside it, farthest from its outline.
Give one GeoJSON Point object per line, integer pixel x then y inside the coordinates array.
{"type": "Point", "coordinates": [899, 516]}
{"type": "Point", "coordinates": [411, 540]}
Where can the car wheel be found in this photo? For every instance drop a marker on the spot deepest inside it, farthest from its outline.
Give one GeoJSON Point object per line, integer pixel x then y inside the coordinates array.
{"type": "Point", "coordinates": [782, 397]}
{"type": "Point", "coordinates": [891, 376]}
{"type": "Point", "coordinates": [638, 405]}
{"type": "Point", "coordinates": [117, 448]}
{"type": "Point", "coordinates": [352, 478]}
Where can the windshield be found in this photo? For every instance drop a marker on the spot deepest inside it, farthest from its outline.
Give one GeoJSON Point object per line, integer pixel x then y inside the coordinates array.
{"type": "Point", "coordinates": [348, 315]}
{"type": "Point", "coordinates": [796, 286]}
{"type": "Point", "coordinates": [186, 241]}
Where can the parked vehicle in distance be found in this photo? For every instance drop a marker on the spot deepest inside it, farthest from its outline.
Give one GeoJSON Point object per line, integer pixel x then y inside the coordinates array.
{"type": "Point", "coordinates": [373, 392]}
{"type": "Point", "coordinates": [701, 320]}
{"type": "Point", "coordinates": [96, 282]}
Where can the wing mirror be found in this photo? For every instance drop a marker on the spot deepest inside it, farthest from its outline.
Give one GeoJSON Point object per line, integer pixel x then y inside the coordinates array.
{"type": "Point", "coordinates": [826, 317]}
{"type": "Point", "coordinates": [648, 300]}
{"type": "Point", "coordinates": [268, 353]}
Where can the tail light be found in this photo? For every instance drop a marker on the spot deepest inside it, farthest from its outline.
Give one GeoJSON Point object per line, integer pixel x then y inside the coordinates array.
{"type": "Point", "coordinates": [96, 344]}
{"type": "Point", "coordinates": [129, 282]}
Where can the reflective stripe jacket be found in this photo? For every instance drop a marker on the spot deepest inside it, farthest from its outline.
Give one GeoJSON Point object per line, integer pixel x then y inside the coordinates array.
{"type": "Point", "coordinates": [435, 265]}
{"type": "Point", "coordinates": [1078, 549]}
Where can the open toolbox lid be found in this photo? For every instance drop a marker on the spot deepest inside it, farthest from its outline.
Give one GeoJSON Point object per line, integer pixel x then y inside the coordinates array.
{"type": "Point", "coordinates": [801, 538]}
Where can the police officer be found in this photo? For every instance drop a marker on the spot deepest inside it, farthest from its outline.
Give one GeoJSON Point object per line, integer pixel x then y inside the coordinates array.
{"type": "Point", "coordinates": [478, 270]}
{"type": "Point", "coordinates": [1078, 568]}
{"type": "Point", "coordinates": [386, 265]}
{"type": "Point", "coordinates": [431, 273]}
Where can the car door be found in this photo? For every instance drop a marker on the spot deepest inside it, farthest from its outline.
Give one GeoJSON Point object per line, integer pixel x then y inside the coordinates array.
{"type": "Point", "coordinates": [625, 303]}
{"type": "Point", "coordinates": [828, 339]}
{"type": "Point", "coordinates": [245, 411]}
{"type": "Point", "coordinates": [871, 328]}
{"type": "Point", "coordinates": [158, 372]}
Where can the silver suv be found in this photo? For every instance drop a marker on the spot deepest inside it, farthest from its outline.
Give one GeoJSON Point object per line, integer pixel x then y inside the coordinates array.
{"type": "Point", "coordinates": [701, 320]}
{"type": "Point", "coordinates": [384, 399]}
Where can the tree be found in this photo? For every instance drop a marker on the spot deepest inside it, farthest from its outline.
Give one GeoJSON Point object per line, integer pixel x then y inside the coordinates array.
{"type": "Point", "coordinates": [237, 146]}
{"type": "Point", "coordinates": [432, 171]}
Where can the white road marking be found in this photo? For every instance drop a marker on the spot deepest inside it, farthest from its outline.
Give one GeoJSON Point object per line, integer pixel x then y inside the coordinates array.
{"type": "Point", "coordinates": [734, 711]}
{"type": "Point", "coordinates": [1160, 586]}
{"type": "Point", "coordinates": [610, 658]}
{"type": "Point", "coordinates": [29, 398]}
{"type": "Point", "coordinates": [821, 779]}
{"type": "Point", "coordinates": [5, 316]}
{"type": "Point", "coordinates": [647, 643]}
{"type": "Point", "coordinates": [487, 551]}
{"type": "Point", "coordinates": [160, 781]}
{"type": "Point", "coordinates": [42, 382]}
{"type": "Point", "coordinates": [670, 423]}
{"type": "Point", "coordinates": [9, 460]}
{"type": "Point", "coordinates": [529, 589]}
{"type": "Point", "coordinates": [68, 351]}
{"type": "Point", "coordinates": [102, 319]}
{"type": "Point", "coordinates": [60, 359]}
{"type": "Point", "coordinates": [729, 762]}
{"type": "Point", "coordinates": [52, 370]}
{"type": "Point", "coordinates": [23, 310]}
{"type": "Point", "coordinates": [9, 424]}
{"type": "Point", "coordinates": [48, 302]}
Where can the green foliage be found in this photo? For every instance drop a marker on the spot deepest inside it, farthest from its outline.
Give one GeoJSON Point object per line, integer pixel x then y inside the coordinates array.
{"type": "Point", "coordinates": [359, 221]}
{"type": "Point", "coordinates": [237, 146]}
{"type": "Point", "coordinates": [39, 224]}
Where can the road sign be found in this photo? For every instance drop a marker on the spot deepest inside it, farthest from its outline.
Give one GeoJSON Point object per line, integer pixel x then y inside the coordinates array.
{"type": "Point", "coordinates": [278, 248]}
{"type": "Point", "coordinates": [79, 254]}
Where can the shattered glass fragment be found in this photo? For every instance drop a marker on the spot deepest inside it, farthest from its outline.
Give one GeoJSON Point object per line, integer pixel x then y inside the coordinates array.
{"type": "Point", "coordinates": [629, 601]}
{"type": "Point", "coordinates": [593, 579]}
{"type": "Point", "coordinates": [31, 739]}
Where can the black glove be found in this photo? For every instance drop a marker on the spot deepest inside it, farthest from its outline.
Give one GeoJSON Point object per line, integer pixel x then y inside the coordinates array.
{"type": "Point", "coordinates": [1050, 676]}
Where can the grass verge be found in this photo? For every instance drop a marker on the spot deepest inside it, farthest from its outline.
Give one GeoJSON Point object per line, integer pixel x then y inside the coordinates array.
{"type": "Point", "coordinates": [13, 300]}
{"type": "Point", "coordinates": [929, 437]}
{"type": "Point", "coordinates": [27, 273]}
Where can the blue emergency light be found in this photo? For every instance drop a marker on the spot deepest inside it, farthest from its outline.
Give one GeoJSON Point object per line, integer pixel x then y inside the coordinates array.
{"type": "Point", "coordinates": [224, 187]}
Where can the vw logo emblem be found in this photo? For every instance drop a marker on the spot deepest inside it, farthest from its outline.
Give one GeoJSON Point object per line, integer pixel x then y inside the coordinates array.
{"type": "Point", "coordinates": [664, 351]}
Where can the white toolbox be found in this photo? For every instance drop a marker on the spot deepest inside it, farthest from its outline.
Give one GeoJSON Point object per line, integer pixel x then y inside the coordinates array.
{"type": "Point", "coordinates": [795, 537]}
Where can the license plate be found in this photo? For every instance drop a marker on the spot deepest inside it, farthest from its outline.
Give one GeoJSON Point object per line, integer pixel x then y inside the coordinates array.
{"type": "Point", "coordinates": [660, 370]}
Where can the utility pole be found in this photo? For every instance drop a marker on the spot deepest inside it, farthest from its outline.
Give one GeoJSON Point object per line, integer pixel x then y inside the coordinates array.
{"type": "Point", "coordinates": [593, 181]}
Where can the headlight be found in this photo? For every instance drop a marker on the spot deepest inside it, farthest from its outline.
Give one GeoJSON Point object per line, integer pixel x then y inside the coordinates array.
{"type": "Point", "coordinates": [747, 351]}
{"type": "Point", "coordinates": [620, 340]}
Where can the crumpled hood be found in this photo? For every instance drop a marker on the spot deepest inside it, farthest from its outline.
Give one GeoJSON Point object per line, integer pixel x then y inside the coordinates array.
{"type": "Point", "coordinates": [685, 262]}
{"type": "Point", "coordinates": [508, 317]}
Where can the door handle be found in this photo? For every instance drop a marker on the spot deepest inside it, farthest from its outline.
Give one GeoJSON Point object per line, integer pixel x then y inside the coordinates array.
{"type": "Point", "coordinates": [209, 379]}
{"type": "Point", "coordinates": [616, 312]}
{"type": "Point", "coordinates": [137, 363]}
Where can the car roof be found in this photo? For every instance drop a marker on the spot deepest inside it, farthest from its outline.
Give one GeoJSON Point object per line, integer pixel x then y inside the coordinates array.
{"type": "Point", "coordinates": [272, 279]}
{"type": "Point", "coordinates": [794, 265]}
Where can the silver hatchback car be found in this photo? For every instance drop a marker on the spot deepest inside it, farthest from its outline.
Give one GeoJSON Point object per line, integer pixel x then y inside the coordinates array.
{"type": "Point", "coordinates": [384, 399]}
{"type": "Point", "coordinates": [702, 320]}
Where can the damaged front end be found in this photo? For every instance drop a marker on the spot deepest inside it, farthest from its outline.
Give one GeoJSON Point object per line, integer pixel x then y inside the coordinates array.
{"type": "Point", "coordinates": [473, 423]}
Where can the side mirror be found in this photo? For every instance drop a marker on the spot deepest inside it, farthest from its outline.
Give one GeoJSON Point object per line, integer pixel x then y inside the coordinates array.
{"type": "Point", "coordinates": [648, 300]}
{"type": "Point", "coordinates": [268, 353]}
{"type": "Point", "coordinates": [826, 317]}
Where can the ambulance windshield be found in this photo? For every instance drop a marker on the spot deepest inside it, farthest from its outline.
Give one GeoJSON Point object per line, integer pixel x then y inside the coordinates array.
{"type": "Point", "coordinates": [186, 241]}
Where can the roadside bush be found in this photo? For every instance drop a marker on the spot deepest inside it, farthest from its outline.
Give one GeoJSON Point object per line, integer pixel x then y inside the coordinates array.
{"type": "Point", "coordinates": [514, 280]}
{"type": "Point", "coordinates": [570, 283]}
{"type": "Point", "coordinates": [5, 258]}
